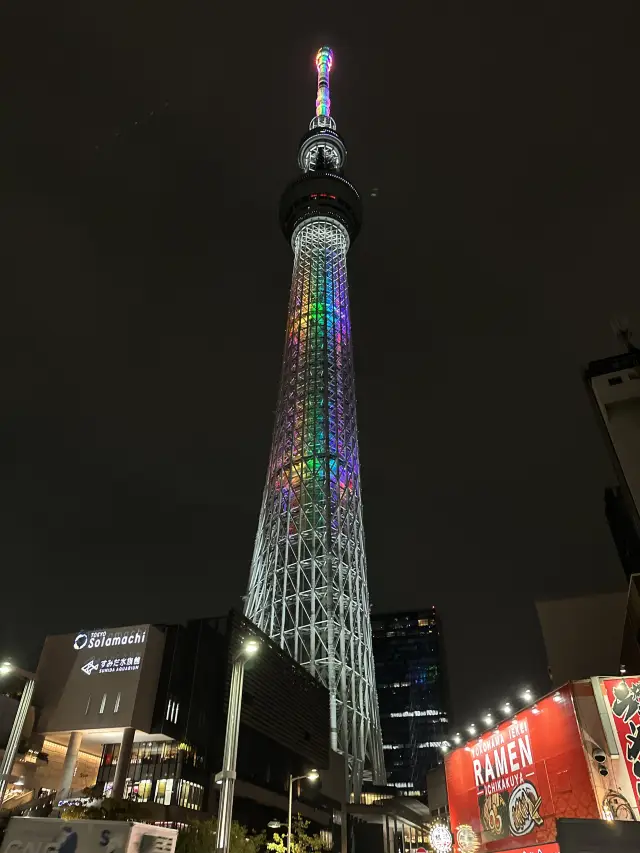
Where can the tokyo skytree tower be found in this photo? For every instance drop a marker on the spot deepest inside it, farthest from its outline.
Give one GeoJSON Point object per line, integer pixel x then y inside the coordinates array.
{"type": "Point", "coordinates": [308, 583]}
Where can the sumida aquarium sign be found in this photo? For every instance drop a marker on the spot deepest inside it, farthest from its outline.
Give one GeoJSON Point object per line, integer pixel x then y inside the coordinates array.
{"type": "Point", "coordinates": [113, 650]}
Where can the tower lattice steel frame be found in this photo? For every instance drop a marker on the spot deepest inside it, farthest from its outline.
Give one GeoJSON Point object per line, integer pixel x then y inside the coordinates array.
{"type": "Point", "coordinates": [308, 583]}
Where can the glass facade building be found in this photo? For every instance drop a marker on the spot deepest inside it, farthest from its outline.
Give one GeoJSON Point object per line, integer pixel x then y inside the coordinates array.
{"type": "Point", "coordinates": [413, 696]}
{"type": "Point", "coordinates": [284, 723]}
{"type": "Point", "coordinates": [157, 773]}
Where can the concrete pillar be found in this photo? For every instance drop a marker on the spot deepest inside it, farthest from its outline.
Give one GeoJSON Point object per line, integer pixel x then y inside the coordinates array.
{"type": "Point", "coordinates": [344, 825]}
{"type": "Point", "coordinates": [124, 760]}
{"type": "Point", "coordinates": [68, 768]}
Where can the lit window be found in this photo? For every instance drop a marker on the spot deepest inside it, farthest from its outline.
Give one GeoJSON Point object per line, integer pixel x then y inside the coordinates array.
{"type": "Point", "coordinates": [117, 705]}
{"type": "Point", "coordinates": [189, 794]}
{"type": "Point", "coordinates": [142, 790]}
{"type": "Point", "coordinates": [172, 711]}
{"type": "Point", "coordinates": [164, 788]}
{"type": "Point", "coordinates": [428, 713]}
{"type": "Point", "coordinates": [103, 703]}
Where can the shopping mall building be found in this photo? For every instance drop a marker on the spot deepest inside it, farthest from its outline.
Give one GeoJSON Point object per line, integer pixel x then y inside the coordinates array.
{"type": "Point", "coordinates": [140, 712]}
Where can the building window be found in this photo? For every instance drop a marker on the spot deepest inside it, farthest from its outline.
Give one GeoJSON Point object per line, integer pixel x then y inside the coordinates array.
{"type": "Point", "coordinates": [428, 713]}
{"type": "Point", "coordinates": [172, 711]}
{"type": "Point", "coordinates": [140, 791]}
{"type": "Point", "coordinates": [116, 707]}
{"type": "Point", "coordinates": [103, 703]}
{"type": "Point", "coordinates": [164, 789]}
{"type": "Point", "coordinates": [189, 794]}
{"type": "Point", "coordinates": [86, 710]}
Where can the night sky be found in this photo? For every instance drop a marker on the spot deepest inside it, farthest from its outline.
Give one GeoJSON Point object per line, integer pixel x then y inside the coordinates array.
{"type": "Point", "coordinates": [145, 283]}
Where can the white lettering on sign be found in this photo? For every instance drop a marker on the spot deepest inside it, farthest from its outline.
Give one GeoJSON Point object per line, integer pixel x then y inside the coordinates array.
{"type": "Point", "coordinates": [515, 758]}
{"type": "Point", "coordinates": [131, 664]}
{"type": "Point", "coordinates": [105, 639]}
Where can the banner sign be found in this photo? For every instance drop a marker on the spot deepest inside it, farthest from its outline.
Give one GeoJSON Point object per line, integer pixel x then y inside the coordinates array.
{"type": "Point", "coordinates": [623, 699]}
{"type": "Point", "coordinates": [507, 788]}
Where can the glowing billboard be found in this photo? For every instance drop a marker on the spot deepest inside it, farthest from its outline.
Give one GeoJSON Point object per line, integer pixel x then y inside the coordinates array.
{"type": "Point", "coordinates": [507, 788]}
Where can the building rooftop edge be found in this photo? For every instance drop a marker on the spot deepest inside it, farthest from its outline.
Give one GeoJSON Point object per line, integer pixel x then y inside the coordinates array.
{"type": "Point", "coordinates": [611, 364]}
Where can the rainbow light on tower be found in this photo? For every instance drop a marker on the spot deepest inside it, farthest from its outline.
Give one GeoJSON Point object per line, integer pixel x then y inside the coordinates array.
{"type": "Point", "coordinates": [308, 582]}
{"type": "Point", "coordinates": [324, 61]}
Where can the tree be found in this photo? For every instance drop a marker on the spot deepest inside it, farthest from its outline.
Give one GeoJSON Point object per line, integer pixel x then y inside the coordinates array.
{"type": "Point", "coordinates": [200, 837]}
{"type": "Point", "coordinates": [301, 841]}
{"type": "Point", "coordinates": [108, 809]}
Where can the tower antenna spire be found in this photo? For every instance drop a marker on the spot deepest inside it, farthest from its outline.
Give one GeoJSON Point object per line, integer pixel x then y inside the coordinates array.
{"type": "Point", "coordinates": [324, 61]}
{"type": "Point", "coordinates": [322, 118]}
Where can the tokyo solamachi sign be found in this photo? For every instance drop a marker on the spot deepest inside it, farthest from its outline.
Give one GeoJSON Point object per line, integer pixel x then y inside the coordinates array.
{"type": "Point", "coordinates": [106, 639]}
{"type": "Point", "coordinates": [117, 650]}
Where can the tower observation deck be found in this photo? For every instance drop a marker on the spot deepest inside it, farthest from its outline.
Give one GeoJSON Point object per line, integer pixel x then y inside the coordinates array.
{"type": "Point", "coordinates": [308, 582]}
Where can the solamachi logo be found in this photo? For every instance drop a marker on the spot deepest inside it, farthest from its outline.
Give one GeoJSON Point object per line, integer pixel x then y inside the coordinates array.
{"type": "Point", "coordinates": [80, 641]}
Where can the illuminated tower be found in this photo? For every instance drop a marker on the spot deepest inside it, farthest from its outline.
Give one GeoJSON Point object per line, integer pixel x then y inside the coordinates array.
{"type": "Point", "coordinates": [308, 583]}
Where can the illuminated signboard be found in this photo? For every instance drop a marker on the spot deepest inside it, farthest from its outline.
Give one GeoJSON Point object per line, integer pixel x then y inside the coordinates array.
{"type": "Point", "coordinates": [112, 651]}
{"type": "Point", "coordinates": [623, 701]}
{"type": "Point", "coordinates": [507, 788]}
{"type": "Point", "coordinates": [440, 838]}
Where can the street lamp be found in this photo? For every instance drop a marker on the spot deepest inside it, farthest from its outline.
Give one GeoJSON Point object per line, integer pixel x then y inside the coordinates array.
{"type": "Point", "coordinates": [227, 776]}
{"type": "Point", "coordinates": [312, 775]}
{"type": "Point", "coordinates": [6, 766]}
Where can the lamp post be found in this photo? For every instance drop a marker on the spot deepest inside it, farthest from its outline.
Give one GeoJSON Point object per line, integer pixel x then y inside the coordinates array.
{"type": "Point", "coordinates": [227, 776]}
{"type": "Point", "coordinates": [312, 775]}
{"type": "Point", "coordinates": [6, 765]}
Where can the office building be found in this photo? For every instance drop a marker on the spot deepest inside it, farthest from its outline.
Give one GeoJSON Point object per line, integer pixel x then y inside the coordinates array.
{"type": "Point", "coordinates": [308, 582]}
{"type": "Point", "coordinates": [623, 530]}
{"type": "Point", "coordinates": [614, 386]}
{"type": "Point", "coordinates": [412, 691]}
{"type": "Point", "coordinates": [607, 625]}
